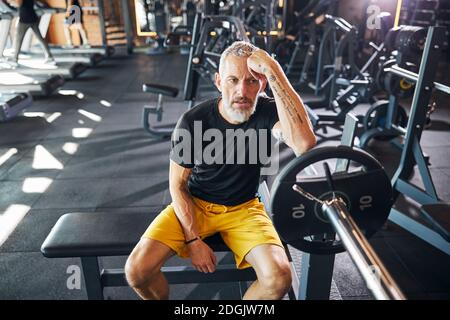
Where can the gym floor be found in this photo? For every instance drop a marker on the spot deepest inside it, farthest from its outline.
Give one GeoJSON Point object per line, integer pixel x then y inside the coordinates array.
{"type": "Point", "coordinates": [85, 151]}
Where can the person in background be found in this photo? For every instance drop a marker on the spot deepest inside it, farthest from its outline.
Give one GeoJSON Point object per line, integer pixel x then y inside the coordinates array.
{"type": "Point", "coordinates": [76, 23]}
{"type": "Point", "coordinates": [29, 19]}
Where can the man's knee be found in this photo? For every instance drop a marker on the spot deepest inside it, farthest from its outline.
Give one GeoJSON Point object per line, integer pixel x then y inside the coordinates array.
{"type": "Point", "coordinates": [145, 262]}
{"type": "Point", "coordinates": [139, 272]}
{"type": "Point", "coordinates": [278, 279]}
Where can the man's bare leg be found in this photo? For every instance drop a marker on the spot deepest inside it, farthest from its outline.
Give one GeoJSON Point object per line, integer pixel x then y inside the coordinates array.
{"type": "Point", "coordinates": [143, 269]}
{"type": "Point", "coordinates": [272, 268]}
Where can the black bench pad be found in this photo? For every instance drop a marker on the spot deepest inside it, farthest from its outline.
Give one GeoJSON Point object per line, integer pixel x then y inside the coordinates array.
{"type": "Point", "coordinates": [160, 89]}
{"type": "Point", "coordinates": [96, 234]}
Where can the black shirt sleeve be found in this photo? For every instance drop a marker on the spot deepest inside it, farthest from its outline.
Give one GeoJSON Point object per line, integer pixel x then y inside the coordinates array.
{"type": "Point", "coordinates": [182, 144]}
{"type": "Point", "coordinates": [269, 110]}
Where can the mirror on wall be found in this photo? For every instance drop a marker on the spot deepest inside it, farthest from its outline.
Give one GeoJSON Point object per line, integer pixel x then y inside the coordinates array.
{"type": "Point", "coordinates": [158, 16]}
{"type": "Point", "coordinates": [145, 16]}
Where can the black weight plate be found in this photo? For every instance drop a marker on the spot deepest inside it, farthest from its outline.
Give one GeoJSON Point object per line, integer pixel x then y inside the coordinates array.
{"type": "Point", "coordinates": [367, 193]}
{"type": "Point", "coordinates": [376, 117]}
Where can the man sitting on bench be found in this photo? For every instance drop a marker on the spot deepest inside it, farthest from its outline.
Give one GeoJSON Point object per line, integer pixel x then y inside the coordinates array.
{"type": "Point", "coordinates": [220, 195]}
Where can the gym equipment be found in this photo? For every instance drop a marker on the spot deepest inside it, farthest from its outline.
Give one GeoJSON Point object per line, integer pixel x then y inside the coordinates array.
{"type": "Point", "coordinates": [325, 213]}
{"type": "Point", "coordinates": [403, 46]}
{"type": "Point", "coordinates": [376, 117]}
{"type": "Point", "coordinates": [160, 90]}
{"type": "Point", "coordinates": [181, 36]}
{"type": "Point", "coordinates": [408, 41]}
{"type": "Point", "coordinates": [189, 10]}
{"type": "Point", "coordinates": [78, 235]}
{"type": "Point", "coordinates": [34, 67]}
{"type": "Point", "coordinates": [259, 17]}
{"type": "Point", "coordinates": [210, 36]}
{"type": "Point", "coordinates": [393, 84]}
{"type": "Point", "coordinates": [103, 50]}
{"type": "Point", "coordinates": [336, 62]}
{"type": "Point", "coordinates": [13, 82]}
{"type": "Point", "coordinates": [156, 24]}
{"type": "Point", "coordinates": [435, 228]}
{"type": "Point", "coordinates": [161, 28]}
{"type": "Point", "coordinates": [12, 105]}
{"type": "Point", "coordinates": [353, 85]}
{"type": "Point", "coordinates": [378, 279]}
{"type": "Point", "coordinates": [299, 221]}
{"type": "Point", "coordinates": [62, 55]}
{"type": "Point", "coordinates": [347, 85]}
{"type": "Point", "coordinates": [309, 24]}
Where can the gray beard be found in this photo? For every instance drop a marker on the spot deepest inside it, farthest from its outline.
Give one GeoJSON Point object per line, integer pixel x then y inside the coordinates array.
{"type": "Point", "coordinates": [238, 115]}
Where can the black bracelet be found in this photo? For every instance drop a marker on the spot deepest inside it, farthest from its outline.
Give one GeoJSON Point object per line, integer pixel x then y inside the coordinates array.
{"type": "Point", "coordinates": [192, 240]}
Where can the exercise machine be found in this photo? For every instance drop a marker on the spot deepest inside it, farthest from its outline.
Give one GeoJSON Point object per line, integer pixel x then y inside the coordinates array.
{"type": "Point", "coordinates": [12, 105]}
{"type": "Point", "coordinates": [31, 66]}
{"type": "Point", "coordinates": [432, 226]}
{"type": "Point", "coordinates": [211, 35]}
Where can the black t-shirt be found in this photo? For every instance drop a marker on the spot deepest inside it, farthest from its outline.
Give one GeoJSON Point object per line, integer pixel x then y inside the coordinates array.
{"type": "Point", "coordinates": [225, 158]}
{"type": "Point", "coordinates": [27, 13]}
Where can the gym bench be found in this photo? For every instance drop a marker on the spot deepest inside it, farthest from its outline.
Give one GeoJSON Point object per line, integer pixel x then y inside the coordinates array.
{"type": "Point", "coordinates": [101, 234]}
{"type": "Point", "coordinates": [160, 90]}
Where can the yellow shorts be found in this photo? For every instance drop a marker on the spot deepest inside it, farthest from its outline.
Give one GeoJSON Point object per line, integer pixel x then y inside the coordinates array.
{"type": "Point", "coordinates": [242, 227]}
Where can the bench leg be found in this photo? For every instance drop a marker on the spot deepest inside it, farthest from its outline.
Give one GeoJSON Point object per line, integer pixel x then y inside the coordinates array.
{"type": "Point", "coordinates": [92, 278]}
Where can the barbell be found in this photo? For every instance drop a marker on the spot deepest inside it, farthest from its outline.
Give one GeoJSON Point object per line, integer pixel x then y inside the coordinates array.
{"type": "Point", "coordinates": [325, 213]}
{"type": "Point", "coordinates": [300, 221]}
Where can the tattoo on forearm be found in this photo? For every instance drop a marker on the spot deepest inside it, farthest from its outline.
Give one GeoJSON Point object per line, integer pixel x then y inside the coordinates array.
{"type": "Point", "coordinates": [286, 99]}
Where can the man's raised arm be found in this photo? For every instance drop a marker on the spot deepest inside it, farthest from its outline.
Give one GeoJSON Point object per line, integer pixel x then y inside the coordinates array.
{"type": "Point", "coordinates": [295, 126]}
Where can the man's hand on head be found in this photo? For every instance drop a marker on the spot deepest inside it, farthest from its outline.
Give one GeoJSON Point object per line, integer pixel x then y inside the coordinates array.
{"type": "Point", "coordinates": [260, 63]}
